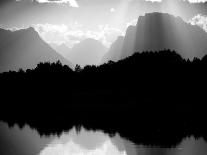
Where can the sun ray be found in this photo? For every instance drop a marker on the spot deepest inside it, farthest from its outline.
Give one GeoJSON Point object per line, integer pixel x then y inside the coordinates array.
{"type": "Point", "coordinates": [120, 14]}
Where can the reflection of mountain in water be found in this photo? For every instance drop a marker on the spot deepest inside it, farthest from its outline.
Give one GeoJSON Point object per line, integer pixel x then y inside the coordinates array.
{"type": "Point", "coordinates": [27, 141]}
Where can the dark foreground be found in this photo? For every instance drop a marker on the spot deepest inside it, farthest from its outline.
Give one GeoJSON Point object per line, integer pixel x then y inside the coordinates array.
{"type": "Point", "coordinates": [150, 98]}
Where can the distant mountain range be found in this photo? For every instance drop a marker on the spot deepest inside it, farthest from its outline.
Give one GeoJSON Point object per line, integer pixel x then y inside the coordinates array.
{"type": "Point", "coordinates": [159, 31]}
{"type": "Point", "coordinates": [153, 32]}
{"type": "Point", "coordinates": [61, 49]}
{"type": "Point", "coordinates": [25, 49]}
{"type": "Point", "coordinates": [87, 52]}
{"type": "Point", "coordinates": [114, 53]}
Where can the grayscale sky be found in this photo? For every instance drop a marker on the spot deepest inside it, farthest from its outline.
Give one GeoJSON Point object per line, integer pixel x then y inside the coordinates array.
{"type": "Point", "coordinates": [70, 21]}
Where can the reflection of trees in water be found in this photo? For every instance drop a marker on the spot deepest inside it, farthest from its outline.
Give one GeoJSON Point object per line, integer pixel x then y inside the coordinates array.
{"type": "Point", "coordinates": [150, 97]}
{"type": "Point", "coordinates": [28, 141]}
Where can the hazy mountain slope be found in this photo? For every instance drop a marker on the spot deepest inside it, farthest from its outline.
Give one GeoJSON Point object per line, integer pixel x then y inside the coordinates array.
{"type": "Point", "coordinates": [112, 54]}
{"type": "Point", "coordinates": [158, 31]}
{"type": "Point", "coordinates": [61, 49]}
{"type": "Point", "coordinates": [25, 49]}
{"type": "Point", "coordinates": [87, 52]}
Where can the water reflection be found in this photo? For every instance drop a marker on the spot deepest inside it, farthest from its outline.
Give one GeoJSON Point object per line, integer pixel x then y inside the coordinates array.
{"type": "Point", "coordinates": [84, 143]}
{"type": "Point", "coordinates": [27, 141]}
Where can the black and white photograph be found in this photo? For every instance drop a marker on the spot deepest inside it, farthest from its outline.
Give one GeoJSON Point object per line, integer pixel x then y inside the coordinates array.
{"type": "Point", "coordinates": [103, 77]}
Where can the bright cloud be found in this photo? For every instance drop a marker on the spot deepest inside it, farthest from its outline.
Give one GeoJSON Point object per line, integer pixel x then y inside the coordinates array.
{"type": "Point", "coordinates": [74, 3]}
{"type": "Point", "coordinates": [112, 10]}
{"type": "Point", "coordinates": [200, 20]}
{"type": "Point", "coordinates": [197, 1]}
{"type": "Point", "coordinates": [107, 34]}
{"type": "Point", "coordinates": [52, 33]}
{"type": "Point", "coordinates": [74, 33]}
{"type": "Point", "coordinates": [154, 0]}
{"type": "Point", "coordinates": [70, 148]}
{"type": "Point", "coordinates": [133, 23]}
{"type": "Point", "coordinates": [191, 1]}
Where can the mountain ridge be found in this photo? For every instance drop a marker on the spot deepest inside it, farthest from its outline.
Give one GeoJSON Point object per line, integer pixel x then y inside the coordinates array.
{"type": "Point", "coordinates": [25, 49]}
{"type": "Point", "coordinates": [158, 31]}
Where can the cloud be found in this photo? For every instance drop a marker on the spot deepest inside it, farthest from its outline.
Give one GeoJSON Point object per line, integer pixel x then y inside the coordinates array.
{"type": "Point", "coordinates": [74, 33]}
{"type": "Point", "coordinates": [52, 33]}
{"type": "Point", "coordinates": [132, 22]}
{"type": "Point", "coordinates": [154, 0]}
{"type": "Point", "coordinates": [72, 3]}
{"type": "Point", "coordinates": [107, 35]}
{"type": "Point", "coordinates": [112, 10]}
{"type": "Point", "coordinates": [24, 0]}
{"type": "Point", "coordinates": [197, 1]}
{"type": "Point", "coordinates": [191, 1]}
{"type": "Point", "coordinates": [58, 34]}
{"type": "Point", "coordinates": [200, 20]}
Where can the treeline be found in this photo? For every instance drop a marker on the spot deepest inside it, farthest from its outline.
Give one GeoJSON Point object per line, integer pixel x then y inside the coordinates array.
{"type": "Point", "coordinates": [150, 97]}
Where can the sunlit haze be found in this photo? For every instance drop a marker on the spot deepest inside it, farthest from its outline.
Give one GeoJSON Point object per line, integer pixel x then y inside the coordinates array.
{"type": "Point", "coordinates": [103, 77]}
{"type": "Point", "coordinates": [65, 23]}
{"type": "Point", "coordinates": [70, 21]}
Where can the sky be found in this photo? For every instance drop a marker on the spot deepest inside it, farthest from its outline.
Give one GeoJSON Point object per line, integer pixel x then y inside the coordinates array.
{"type": "Point", "coordinates": [71, 21]}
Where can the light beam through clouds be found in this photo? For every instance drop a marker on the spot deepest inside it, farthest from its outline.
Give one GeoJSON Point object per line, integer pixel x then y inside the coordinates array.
{"type": "Point", "coordinates": [61, 22]}
{"type": "Point", "coordinates": [118, 18]}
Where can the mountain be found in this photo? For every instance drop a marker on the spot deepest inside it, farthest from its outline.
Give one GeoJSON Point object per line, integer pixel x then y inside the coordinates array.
{"type": "Point", "coordinates": [25, 49]}
{"type": "Point", "coordinates": [87, 52]}
{"type": "Point", "coordinates": [112, 54]}
{"type": "Point", "coordinates": [61, 49]}
{"type": "Point", "coordinates": [159, 31]}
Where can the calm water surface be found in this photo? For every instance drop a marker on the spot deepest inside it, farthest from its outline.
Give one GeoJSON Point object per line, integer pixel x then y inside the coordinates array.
{"type": "Point", "coordinates": [27, 141]}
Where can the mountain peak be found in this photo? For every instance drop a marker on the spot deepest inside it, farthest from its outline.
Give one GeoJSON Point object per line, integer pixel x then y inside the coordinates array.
{"type": "Point", "coordinates": [25, 49]}
{"type": "Point", "coordinates": [112, 54]}
{"type": "Point", "coordinates": [31, 31]}
{"type": "Point", "coordinates": [158, 31]}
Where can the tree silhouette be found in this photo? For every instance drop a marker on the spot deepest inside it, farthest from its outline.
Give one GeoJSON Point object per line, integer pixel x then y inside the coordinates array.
{"type": "Point", "coordinates": [77, 68]}
{"type": "Point", "coordinates": [137, 97]}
